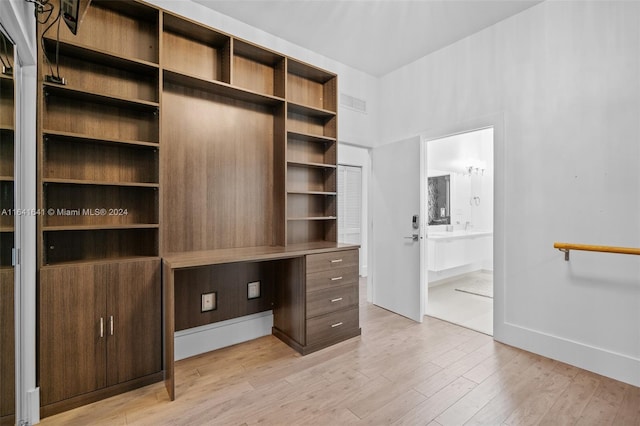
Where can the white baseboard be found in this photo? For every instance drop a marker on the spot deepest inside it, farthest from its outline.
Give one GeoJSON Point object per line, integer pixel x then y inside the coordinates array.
{"type": "Point", "coordinates": [597, 360]}
{"type": "Point", "coordinates": [221, 334]}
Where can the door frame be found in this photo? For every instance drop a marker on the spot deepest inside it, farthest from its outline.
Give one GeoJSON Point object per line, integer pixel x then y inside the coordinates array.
{"type": "Point", "coordinates": [496, 121]}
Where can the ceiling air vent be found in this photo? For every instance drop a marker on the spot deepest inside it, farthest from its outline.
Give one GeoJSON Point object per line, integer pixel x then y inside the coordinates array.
{"type": "Point", "coordinates": [355, 104]}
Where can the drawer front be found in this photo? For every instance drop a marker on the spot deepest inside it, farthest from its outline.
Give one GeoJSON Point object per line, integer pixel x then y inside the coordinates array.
{"type": "Point", "coordinates": [332, 278]}
{"type": "Point", "coordinates": [332, 260]}
{"type": "Point", "coordinates": [332, 326]}
{"type": "Point", "coordinates": [331, 299]}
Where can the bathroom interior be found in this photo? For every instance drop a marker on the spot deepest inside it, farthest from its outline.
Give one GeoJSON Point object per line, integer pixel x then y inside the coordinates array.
{"type": "Point", "coordinates": [460, 229]}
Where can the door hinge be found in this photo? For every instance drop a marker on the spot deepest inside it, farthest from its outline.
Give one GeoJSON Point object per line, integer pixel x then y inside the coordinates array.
{"type": "Point", "coordinates": [15, 256]}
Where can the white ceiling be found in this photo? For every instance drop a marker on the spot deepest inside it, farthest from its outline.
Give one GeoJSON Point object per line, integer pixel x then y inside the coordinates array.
{"type": "Point", "coordinates": [374, 36]}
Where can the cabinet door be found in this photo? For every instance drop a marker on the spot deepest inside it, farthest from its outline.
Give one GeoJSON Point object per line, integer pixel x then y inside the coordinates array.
{"type": "Point", "coordinates": [7, 343]}
{"type": "Point", "coordinates": [72, 347]}
{"type": "Point", "coordinates": [134, 321]}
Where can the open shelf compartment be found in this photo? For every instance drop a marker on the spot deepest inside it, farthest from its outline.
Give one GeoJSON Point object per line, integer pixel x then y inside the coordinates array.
{"type": "Point", "coordinates": [91, 71]}
{"type": "Point", "coordinates": [311, 86]}
{"type": "Point", "coordinates": [132, 29]}
{"type": "Point", "coordinates": [196, 50]}
{"type": "Point", "coordinates": [93, 245]}
{"type": "Point", "coordinates": [258, 69]}
{"type": "Point", "coordinates": [78, 159]}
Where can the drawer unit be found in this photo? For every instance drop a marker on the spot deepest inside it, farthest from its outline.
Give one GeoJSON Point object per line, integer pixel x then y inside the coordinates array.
{"type": "Point", "coordinates": [332, 278]}
{"type": "Point", "coordinates": [332, 260]}
{"type": "Point", "coordinates": [331, 299]}
{"type": "Point", "coordinates": [333, 326]}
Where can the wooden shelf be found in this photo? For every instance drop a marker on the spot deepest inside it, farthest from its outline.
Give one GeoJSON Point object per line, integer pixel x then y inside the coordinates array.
{"type": "Point", "coordinates": [307, 137]}
{"type": "Point", "coordinates": [92, 54]}
{"type": "Point", "coordinates": [309, 72]}
{"type": "Point", "coordinates": [99, 227]}
{"type": "Point", "coordinates": [309, 164]}
{"type": "Point", "coordinates": [220, 88]}
{"type": "Point", "coordinates": [309, 111]}
{"type": "Point", "coordinates": [100, 183]}
{"type": "Point", "coordinates": [6, 178]}
{"type": "Point", "coordinates": [7, 229]}
{"type": "Point", "coordinates": [4, 77]}
{"type": "Point", "coordinates": [312, 192]}
{"type": "Point", "coordinates": [67, 92]}
{"type": "Point", "coordinates": [5, 128]}
{"type": "Point", "coordinates": [122, 259]}
{"type": "Point", "coordinates": [82, 137]}
{"type": "Point", "coordinates": [313, 218]}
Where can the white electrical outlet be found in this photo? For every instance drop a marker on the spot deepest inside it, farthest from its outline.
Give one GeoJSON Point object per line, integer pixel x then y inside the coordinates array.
{"type": "Point", "coordinates": [253, 290]}
{"type": "Point", "coordinates": [208, 302]}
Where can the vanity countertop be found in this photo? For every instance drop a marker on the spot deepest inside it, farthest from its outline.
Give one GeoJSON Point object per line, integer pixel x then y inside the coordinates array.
{"type": "Point", "coordinates": [444, 235]}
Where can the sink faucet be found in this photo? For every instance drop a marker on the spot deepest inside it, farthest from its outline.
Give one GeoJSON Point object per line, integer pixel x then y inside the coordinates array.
{"type": "Point", "coordinates": [467, 225]}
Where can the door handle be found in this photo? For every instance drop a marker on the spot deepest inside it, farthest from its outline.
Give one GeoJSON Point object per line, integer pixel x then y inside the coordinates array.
{"type": "Point", "coordinates": [101, 327]}
{"type": "Point", "coordinates": [414, 237]}
{"type": "Point", "coordinates": [111, 324]}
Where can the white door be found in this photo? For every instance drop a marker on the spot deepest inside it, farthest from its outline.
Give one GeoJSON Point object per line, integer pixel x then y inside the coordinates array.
{"type": "Point", "coordinates": [396, 191]}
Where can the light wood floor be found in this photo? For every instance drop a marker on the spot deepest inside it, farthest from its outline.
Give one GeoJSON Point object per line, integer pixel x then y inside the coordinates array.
{"type": "Point", "coordinates": [397, 372]}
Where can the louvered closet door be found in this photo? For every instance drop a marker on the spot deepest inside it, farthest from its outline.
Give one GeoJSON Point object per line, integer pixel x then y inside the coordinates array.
{"type": "Point", "coordinates": [349, 204]}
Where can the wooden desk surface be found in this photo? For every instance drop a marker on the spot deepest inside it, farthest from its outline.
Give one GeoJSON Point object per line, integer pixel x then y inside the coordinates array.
{"type": "Point", "coordinates": [193, 259]}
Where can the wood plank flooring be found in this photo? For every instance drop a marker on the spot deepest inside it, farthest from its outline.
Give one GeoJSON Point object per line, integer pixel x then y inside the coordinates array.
{"type": "Point", "coordinates": [397, 372]}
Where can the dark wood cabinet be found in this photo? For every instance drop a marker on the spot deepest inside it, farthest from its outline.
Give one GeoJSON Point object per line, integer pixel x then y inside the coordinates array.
{"type": "Point", "coordinates": [331, 298]}
{"type": "Point", "coordinates": [100, 326]}
{"type": "Point", "coordinates": [134, 349]}
{"type": "Point", "coordinates": [170, 138]}
{"type": "Point", "coordinates": [72, 332]}
{"type": "Point", "coordinates": [7, 347]}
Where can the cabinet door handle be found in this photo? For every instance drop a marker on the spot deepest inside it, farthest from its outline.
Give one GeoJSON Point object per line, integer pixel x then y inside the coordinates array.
{"type": "Point", "coordinates": [336, 261]}
{"type": "Point", "coordinates": [336, 279]}
{"type": "Point", "coordinates": [101, 327]}
{"type": "Point", "coordinates": [338, 324]}
{"type": "Point", "coordinates": [336, 300]}
{"type": "Point", "coordinates": [111, 325]}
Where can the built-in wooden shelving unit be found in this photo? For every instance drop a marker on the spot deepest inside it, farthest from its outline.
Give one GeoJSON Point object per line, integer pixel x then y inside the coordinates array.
{"type": "Point", "coordinates": [167, 137]}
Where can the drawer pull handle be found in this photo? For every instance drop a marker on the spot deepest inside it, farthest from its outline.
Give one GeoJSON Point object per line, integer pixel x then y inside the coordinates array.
{"type": "Point", "coordinates": [101, 327]}
{"type": "Point", "coordinates": [111, 324]}
{"type": "Point", "coordinates": [336, 261]}
{"type": "Point", "coordinates": [336, 300]}
{"type": "Point", "coordinates": [338, 324]}
{"type": "Point", "coordinates": [336, 279]}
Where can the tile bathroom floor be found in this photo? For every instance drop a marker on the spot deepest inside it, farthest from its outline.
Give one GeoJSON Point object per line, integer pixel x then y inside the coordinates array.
{"type": "Point", "coordinates": [465, 309]}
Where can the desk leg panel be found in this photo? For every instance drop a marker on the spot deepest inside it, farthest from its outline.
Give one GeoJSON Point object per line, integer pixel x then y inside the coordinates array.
{"type": "Point", "coordinates": [169, 329]}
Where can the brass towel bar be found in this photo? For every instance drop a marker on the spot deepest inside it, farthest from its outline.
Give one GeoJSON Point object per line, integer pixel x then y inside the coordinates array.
{"type": "Point", "coordinates": [566, 247]}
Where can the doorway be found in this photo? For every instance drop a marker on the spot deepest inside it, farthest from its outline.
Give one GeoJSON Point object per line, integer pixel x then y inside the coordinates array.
{"type": "Point", "coordinates": [459, 196]}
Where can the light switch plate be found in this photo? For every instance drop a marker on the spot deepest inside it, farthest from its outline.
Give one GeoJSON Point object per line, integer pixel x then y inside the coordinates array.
{"type": "Point", "coordinates": [253, 290]}
{"type": "Point", "coordinates": [208, 302]}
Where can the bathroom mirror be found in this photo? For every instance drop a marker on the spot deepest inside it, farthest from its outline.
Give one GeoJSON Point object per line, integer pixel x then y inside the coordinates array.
{"type": "Point", "coordinates": [7, 237]}
{"type": "Point", "coordinates": [439, 200]}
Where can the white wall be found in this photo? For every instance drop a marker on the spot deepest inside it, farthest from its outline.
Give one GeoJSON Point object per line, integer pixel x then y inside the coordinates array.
{"type": "Point", "coordinates": [565, 75]}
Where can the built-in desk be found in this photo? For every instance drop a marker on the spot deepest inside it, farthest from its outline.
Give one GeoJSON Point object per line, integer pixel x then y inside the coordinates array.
{"type": "Point", "coordinates": [316, 299]}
